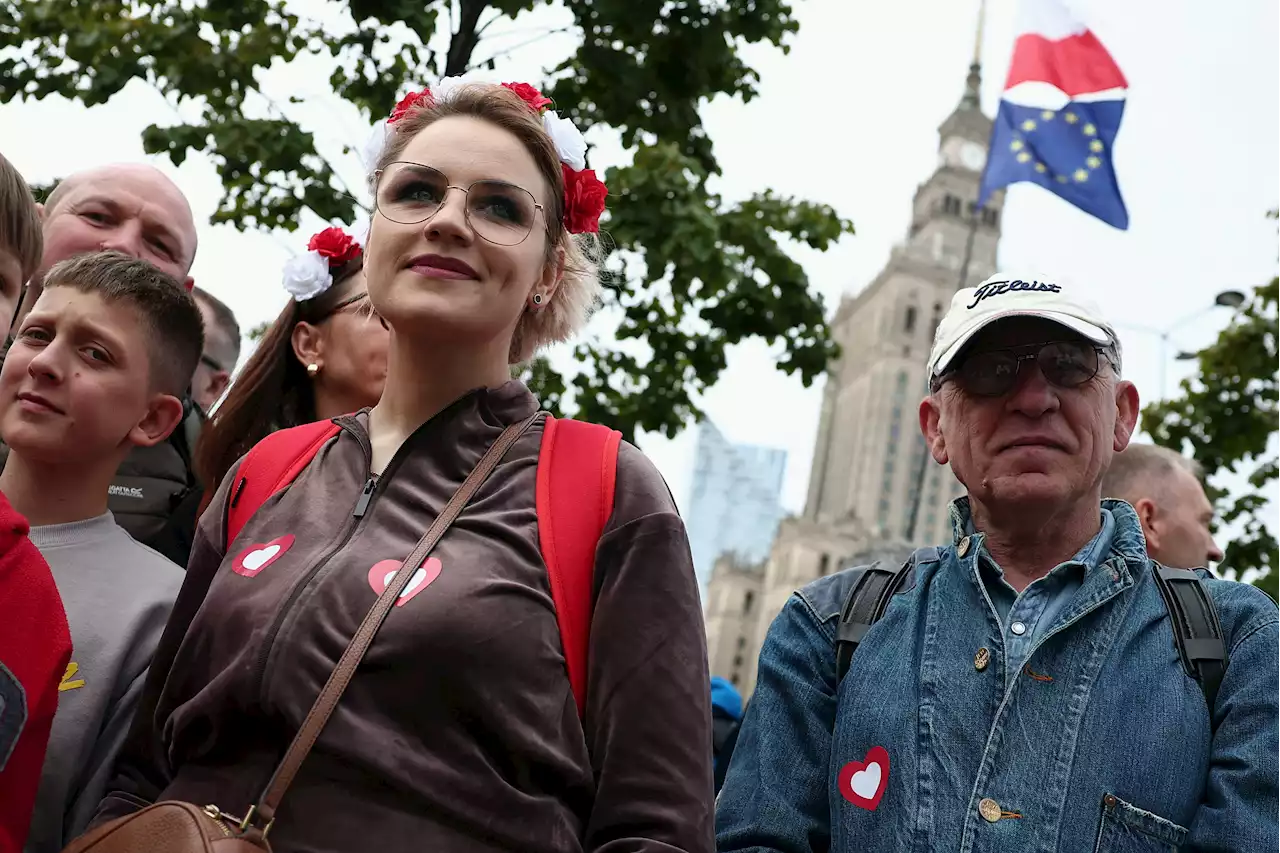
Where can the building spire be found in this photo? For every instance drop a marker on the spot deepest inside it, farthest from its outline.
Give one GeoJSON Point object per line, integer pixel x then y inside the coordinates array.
{"type": "Point", "coordinates": [973, 83]}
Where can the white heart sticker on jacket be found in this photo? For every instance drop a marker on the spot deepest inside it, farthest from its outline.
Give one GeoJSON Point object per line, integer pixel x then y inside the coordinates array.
{"type": "Point", "coordinates": [255, 560]}
{"type": "Point", "coordinates": [418, 577]}
{"type": "Point", "coordinates": [866, 782]}
{"type": "Point", "coordinates": [257, 557]}
{"type": "Point", "coordinates": [384, 571]}
{"type": "Point", "coordinates": [863, 782]}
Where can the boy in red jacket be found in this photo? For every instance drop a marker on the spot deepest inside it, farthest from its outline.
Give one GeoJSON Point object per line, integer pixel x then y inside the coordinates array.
{"type": "Point", "coordinates": [35, 643]}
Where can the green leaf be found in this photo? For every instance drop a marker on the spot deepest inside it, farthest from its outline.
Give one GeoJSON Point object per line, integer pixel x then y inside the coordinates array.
{"type": "Point", "coordinates": [689, 275]}
{"type": "Point", "coordinates": [1227, 417]}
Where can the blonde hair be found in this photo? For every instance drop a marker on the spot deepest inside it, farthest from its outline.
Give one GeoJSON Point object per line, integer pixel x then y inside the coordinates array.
{"type": "Point", "coordinates": [578, 293]}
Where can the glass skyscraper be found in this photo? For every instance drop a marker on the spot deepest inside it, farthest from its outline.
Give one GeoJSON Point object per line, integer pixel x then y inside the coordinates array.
{"type": "Point", "coordinates": [735, 505]}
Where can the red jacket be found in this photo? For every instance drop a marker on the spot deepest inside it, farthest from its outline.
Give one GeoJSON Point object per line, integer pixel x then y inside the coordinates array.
{"type": "Point", "coordinates": [35, 645]}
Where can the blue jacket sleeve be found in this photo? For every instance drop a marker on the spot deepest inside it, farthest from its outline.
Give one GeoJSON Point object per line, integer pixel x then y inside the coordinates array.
{"type": "Point", "coordinates": [1239, 809]}
{"type": "Point", "coordinates": [776, 795]}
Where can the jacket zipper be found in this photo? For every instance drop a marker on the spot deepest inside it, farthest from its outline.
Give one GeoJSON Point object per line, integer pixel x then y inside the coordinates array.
{"type": "Point", "coordinates": [362, 506]}
{"type": "Point", "coordinates": [357, 515]}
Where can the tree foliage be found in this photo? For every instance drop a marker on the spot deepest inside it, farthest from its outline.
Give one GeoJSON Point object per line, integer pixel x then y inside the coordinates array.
{"type": "Point", "coordinates": [1226, 416]}
{"type": "Point", "coordinates": [691, 273]}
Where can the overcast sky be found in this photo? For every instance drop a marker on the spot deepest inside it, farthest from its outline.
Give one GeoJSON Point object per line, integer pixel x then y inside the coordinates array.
{"type": "Point", "coordinates": [850, 118]}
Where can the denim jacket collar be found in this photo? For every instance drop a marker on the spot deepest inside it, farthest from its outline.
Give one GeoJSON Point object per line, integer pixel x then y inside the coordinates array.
{"type": "Point", "coordinates": [1126, 552]}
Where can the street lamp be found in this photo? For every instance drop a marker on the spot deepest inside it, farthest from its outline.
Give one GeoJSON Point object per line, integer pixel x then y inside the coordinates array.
{"type": "Point", "coordinates": [1226, 299]}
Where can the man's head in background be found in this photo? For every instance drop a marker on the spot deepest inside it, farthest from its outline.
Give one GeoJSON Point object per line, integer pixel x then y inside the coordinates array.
{"type": "Point", "coordinates": [1164, 487]}
{"type": "Point", "coordinates": [21, 241]}
{"type": "Point", "coordinates": [129, 207]}
{"type": "Point", "coordinates": [221, 350]}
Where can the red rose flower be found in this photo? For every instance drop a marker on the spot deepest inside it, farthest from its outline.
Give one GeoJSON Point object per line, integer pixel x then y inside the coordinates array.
{"type": "Point", "coordinates": [584, 196]}
{"type": "Point", "coordinates": [531, 96]}
{"type": "Point", "coordinates": [410, 101]}
{"type": "Point", "coordinates": [336, 245]}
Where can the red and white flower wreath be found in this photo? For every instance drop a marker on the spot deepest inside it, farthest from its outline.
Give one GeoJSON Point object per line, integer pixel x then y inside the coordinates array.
{"type": "Point", "coordinates": [584, 193]}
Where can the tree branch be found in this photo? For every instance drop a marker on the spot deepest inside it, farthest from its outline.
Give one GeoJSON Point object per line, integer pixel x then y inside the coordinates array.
{"type": "Point", "coordinates": [509, 50]}
{"type": "Point", "coordinates": [463, 41]}
{"type": "Point", "coordinates": [498, 17]}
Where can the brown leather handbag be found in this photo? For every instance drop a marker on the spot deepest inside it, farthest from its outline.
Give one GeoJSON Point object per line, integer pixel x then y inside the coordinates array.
{"type": "Point", "coordinates": [176, 827]}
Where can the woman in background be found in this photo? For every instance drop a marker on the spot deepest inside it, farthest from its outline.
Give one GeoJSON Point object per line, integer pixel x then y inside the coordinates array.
{"type": "Point", "coordinates": [324, 356]}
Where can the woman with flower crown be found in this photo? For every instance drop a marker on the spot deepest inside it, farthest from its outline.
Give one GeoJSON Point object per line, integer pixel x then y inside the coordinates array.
{"type": "Point", "coordinates": [464, 727]}
{"type": "Point", "coordinates": [324, 356]}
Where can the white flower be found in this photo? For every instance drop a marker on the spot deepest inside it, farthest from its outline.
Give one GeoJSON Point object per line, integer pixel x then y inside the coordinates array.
{"type": "Point", "coordinates": [569, 142]}
{"type": "Point", "coordinates": [373, 147]}
{"type": "Point", "coordinates": [307, 275]}
{"type": "Point", "coordinates": [360, 230]}
{"type": "Point", "coordinates": [444, 89]}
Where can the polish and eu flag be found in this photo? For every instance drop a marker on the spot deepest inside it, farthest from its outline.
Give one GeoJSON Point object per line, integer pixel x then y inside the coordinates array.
{"type": "Point", "coordinates": [1059, 114]}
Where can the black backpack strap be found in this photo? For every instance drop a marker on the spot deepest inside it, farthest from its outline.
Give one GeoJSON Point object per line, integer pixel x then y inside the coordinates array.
{"type": "Point", "coordinates": [866, 602]}
{"type": "Point", "coordinates": [1197, 633]}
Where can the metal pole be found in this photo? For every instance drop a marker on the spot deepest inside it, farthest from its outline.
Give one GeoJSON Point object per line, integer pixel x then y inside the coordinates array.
{"type": "Point", "coordinates": [1164, 366]}
{"type": "Point", "coordinates": [922, 470]}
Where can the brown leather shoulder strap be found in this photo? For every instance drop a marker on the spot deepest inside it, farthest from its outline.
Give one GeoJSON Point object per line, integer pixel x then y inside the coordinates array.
{"type": "Point", "coordinates": [260, 816]}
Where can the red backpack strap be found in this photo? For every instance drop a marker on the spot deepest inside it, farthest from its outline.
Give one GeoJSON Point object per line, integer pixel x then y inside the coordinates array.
{"type": "Point", "coordinates": [269, 466]}
{"type": "Point", "coordinates": [577, 467]}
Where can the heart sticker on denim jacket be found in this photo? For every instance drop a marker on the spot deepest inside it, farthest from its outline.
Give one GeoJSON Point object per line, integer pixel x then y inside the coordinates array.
{"type": "Point", "coordinates": [863, 782]}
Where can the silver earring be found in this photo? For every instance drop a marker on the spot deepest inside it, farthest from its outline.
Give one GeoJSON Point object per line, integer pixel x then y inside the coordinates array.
{"type": "Point", "coordinates": [537, 299]}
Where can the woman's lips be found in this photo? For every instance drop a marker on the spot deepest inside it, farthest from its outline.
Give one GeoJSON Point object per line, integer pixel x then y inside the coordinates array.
{"type": "Point", "coordinates": [439, 266]}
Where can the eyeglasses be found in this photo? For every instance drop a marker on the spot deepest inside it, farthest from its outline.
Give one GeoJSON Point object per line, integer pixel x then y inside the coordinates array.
{"type": "Point", "coordinates": [363, 308]}
{"type": "Point", "coordinates": [994, 373]}
{"type": "Point", "coordinates": [499, 212]}
{"type": "Point", "coordinates": [347, 303]}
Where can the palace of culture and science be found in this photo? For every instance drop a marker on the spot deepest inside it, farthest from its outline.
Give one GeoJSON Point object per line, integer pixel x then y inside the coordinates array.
{"type": "Point", "coordinates": [868, 454]}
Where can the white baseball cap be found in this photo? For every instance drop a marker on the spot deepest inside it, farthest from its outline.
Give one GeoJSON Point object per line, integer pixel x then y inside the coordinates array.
{"type": "Point", "coordinates": [1004, 295]}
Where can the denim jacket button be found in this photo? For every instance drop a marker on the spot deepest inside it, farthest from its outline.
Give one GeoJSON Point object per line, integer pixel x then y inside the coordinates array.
{"type": "Point", "coordinates": [989, 809]}
{"type": "Point", "coordinates": [963, 547]}
{"type": "Point", "coordinates": [1018, 628]}
{"type": "Point", "coordinates": [981, 659]}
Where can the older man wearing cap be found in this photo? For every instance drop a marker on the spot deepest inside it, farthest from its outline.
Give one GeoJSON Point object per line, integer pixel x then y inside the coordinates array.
{"type": "Point", "coordinates": [1025, 686]}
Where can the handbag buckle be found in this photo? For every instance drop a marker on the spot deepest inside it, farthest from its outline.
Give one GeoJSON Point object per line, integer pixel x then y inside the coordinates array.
{"type": "Point", "coordinates": [247, 822]}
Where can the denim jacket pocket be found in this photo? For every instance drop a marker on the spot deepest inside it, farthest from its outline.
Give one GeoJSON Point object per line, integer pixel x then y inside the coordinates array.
{"type": "Point", "coordinates": [1129, 829]}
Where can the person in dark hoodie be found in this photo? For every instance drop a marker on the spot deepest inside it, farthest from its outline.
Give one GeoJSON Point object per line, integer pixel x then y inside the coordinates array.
{"type": "Point", "coordinates": [461, 729]}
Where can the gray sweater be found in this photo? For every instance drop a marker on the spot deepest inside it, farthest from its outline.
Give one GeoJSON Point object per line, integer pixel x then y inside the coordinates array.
{"type": "Point", "coordinates": [118, 594]}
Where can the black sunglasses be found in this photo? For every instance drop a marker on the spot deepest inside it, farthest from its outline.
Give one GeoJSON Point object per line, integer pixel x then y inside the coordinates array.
{"type": "Point", "coordinates": [994, 373]}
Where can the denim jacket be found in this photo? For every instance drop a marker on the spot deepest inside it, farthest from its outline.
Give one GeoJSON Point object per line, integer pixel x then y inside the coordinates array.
{"type": "Point", "coordinates": [1100, 742]}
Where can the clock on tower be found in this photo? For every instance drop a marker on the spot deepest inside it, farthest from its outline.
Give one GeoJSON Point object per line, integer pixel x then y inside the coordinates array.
{"type": "Point", "coordinates": [964, 154]}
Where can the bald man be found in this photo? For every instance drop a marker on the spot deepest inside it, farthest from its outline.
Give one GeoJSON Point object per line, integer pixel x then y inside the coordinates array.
{"type": "Point", "coordinates": [133, 208]}
{"type": "Point", "coordinates": [129, 207]}
{"type": "Point", "coordinates": [1164, 487]}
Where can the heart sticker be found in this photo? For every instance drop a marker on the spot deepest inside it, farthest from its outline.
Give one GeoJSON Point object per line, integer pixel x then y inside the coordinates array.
{"type": "Point", "coordinates": [255, 558]}
{"type": "Point", "coordinates": [384, 570]}
{"type": "Point", "coordinates": [863, 782]}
